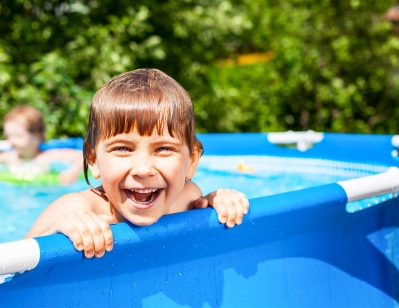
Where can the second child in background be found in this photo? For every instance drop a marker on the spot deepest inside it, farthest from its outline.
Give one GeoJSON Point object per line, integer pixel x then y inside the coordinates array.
{"type": "Point", "coordinates": [24, 129]}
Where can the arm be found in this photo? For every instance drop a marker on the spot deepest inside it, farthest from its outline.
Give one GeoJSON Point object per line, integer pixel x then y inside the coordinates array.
{"type": "Point", "coordinates": [66, 155]}
{"type": "Point", "coordinates": [73, 215]}
{"type": "Point", "coordinates": [6, 157]}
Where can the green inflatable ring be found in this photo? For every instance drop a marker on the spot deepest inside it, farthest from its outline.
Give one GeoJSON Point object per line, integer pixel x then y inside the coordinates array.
{"type": "Point", "coordinates": [48, 178]}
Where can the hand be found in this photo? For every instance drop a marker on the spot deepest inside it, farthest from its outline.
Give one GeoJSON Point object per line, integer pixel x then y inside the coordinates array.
{"type": "Point", "coordinates": [230, 205]}
{"type": "Point", "coordinates": [87, 231]}
{"type": "Point", "coordinates": [69, 176]}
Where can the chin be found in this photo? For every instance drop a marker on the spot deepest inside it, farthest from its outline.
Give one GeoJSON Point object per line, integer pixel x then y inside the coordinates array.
{"type": "Point", "coordinates": [144, 221]}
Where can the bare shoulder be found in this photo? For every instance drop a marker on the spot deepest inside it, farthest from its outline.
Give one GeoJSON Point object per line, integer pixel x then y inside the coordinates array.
{"type": "Point", "coordinates": [185, 201]}
{"type": "Point", "coordinates": [86, 200]}
{"type": "Point", "coordinates": [78, 201]}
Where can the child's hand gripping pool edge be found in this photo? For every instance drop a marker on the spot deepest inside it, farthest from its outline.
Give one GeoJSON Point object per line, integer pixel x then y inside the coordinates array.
{"type": "Point", "coordinates": [92, 234]}
{"type": "Point", "coordinates": [231, 205]}
{"type": "Point", "coordinates": [88, 232]}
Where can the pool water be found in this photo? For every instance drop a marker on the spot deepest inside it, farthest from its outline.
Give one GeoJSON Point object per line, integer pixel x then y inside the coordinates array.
{"type": "Point", "coordinates": [21, 205]}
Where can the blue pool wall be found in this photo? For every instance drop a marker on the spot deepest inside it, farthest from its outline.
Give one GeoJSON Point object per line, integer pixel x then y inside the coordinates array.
{"type": "Point", "coordinates": [358, 148]}
{"type": "Point", "coordinates": [296, 249]}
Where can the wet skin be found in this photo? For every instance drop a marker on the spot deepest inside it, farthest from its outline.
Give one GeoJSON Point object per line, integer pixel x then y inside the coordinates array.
{"type": "Point", "coordinates": [142, 175]}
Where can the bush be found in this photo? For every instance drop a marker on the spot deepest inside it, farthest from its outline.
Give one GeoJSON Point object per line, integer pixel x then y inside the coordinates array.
{"type": "Point", "coordinates": [335, 68]}
{"type": "Point", "coordinates": [333, 65]}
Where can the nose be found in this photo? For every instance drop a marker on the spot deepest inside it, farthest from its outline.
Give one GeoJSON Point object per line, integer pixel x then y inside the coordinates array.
{"type": "Point", "coordinates": [142, 165]}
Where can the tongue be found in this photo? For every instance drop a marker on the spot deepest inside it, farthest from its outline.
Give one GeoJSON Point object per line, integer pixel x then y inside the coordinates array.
{"type": "Point", "coordinates": [142, 197]}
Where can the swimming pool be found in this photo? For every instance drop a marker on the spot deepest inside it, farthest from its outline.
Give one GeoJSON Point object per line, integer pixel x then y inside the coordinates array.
{"type": "Point", "coordinates": [299, 248]}
{"type": "Point", "coordinates": [256, 176]}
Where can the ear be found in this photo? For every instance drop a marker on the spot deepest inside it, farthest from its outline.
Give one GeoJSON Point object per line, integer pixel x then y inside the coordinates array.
{"type": "Point", "coordinates": [194, 161]}
{"type": "Point", "coordinates": [92, 163]}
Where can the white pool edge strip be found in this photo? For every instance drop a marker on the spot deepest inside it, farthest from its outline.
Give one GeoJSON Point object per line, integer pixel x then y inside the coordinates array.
{"type": "Point", "coordinates": [295, 137]}
{"type": "Point", "coordinates": [370, 186]}
{"type": "Point", "coordinates": [19, 256]}
{"type": "Point", "coordinates": [395, 141]}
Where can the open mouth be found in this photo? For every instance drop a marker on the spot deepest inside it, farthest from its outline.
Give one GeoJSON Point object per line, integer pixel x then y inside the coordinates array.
{"type": "Point", "coordinates": [144, 197]}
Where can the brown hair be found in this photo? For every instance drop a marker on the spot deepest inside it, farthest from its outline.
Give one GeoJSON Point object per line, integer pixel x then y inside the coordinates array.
{"type": "Point", "coordinates": [143, 99]}
{"type": "Point", "coordinates": [30, 117]}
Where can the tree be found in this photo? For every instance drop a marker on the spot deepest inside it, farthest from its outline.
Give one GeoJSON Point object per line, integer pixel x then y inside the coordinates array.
{"type": "Point", "coordinates": [332, 67]}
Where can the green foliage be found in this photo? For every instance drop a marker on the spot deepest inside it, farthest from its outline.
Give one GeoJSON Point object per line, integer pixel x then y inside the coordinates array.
{"type": "Point", "coordinates": [333, 67]}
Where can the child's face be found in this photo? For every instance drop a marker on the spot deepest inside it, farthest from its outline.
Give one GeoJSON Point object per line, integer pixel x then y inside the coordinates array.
{"type": "Point", "coordinates": [143, 175]}
{"type": "Point", "coordinates": [23, 142]}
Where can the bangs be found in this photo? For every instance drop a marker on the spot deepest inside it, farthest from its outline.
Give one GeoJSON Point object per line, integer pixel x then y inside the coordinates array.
{"type": "Point", "coordinates": [147, 103]}
{"type": "Point", "coordinates": [144, 100]}
{"type": "Point", "coordinates": [146, 115]}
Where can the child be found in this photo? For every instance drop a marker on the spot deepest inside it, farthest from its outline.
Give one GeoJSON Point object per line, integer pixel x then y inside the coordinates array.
{"type": "Point", "coordinates": [141, 142]}
{"type": "Point", "coordinates": [24, 129]}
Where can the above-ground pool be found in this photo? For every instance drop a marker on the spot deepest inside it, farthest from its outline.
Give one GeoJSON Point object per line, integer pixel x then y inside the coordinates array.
{"type": "Point", "coordinates": [315, 235]}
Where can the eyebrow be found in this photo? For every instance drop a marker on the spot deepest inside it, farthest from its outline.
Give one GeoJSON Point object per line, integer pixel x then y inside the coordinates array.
{"type": "Point", "coordinates": [164, 140]}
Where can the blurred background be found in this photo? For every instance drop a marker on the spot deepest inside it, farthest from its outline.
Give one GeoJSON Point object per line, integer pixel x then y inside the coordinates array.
{"type": "Point", "coordinates": [249, 65]}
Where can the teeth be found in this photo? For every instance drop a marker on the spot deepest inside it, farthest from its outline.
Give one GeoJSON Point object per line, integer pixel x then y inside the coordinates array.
{"type": "Point", "coordinates": [143, 191]}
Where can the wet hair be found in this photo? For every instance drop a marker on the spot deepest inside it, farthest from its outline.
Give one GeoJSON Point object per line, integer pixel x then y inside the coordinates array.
{"type": "Point", "coordinates": [30, 117]}
{"type": "Point", "coordinates": [147, 100]}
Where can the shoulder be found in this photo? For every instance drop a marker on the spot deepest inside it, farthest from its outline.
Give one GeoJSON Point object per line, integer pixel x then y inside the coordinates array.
{"type": "Point", "coordinates": [191, 188]}
{"type": "Point", "coordinates": [73, 202]}
{"type": "Point", "coordinates": [185, 201]}
{"type": "Point", "coordinates": [86, 200]}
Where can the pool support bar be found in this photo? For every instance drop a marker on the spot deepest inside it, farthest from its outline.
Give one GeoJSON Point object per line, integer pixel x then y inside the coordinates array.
{"type": "Point", "coordinates": [295, 249]}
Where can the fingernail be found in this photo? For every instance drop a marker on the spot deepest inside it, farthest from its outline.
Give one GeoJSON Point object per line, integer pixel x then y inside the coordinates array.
{"type": "Point", "coordinates": [238, 221]}
{"type": "Point", "coordinates": [99, 255]}
{"type": "Point", "coordinates": [109, 247]}
{"type": "Point", "coordinates": [80, 247]}
{"type": "Point", "coordinates": [89, 254]}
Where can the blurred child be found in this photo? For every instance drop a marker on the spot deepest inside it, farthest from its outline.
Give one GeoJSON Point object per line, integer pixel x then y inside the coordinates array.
{"type": "Point", "coordinates": [24, 129]}
{"type": "Point", "coordinates": [141, 142]}
{"type": "Point", "coordinates": [392, 15]}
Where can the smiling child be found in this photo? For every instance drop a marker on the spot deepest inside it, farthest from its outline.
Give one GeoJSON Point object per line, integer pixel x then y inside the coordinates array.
{"type": "Point", "coordinates": [141, 143]}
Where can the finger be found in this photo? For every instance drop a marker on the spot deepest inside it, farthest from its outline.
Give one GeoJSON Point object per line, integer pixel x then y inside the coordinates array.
{"type": "Point", "coordinates": [68, 228]}
{"type": "Point", "coordinates": [232, 214]}
{"type": "Point", "coordinates": [239, 204]}
{"type": "Point", "coordinates": [108, 218]}
{"type": "Point", "coordinates": [84, 224]}
{"type": "Point", "coordinates": [245, 201]}
{"type": "Point", "coordinates": [107, 236]}
{"type": "Point", "coordinates": [94, 242]}
{"type": "Point", "coordinates": [200, 203]}
{"type": "Point", "coordinates": [221, 208]}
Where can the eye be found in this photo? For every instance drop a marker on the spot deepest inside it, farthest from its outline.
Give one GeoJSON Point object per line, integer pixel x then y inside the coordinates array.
{"type": "Point", "coordinates": [165, 150]}
{"type": "Point", "coordinates": [121, 150]}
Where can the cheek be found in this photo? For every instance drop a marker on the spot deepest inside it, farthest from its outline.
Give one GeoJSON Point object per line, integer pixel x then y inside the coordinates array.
{"type": "Point", "coordinates": [177, 170]}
